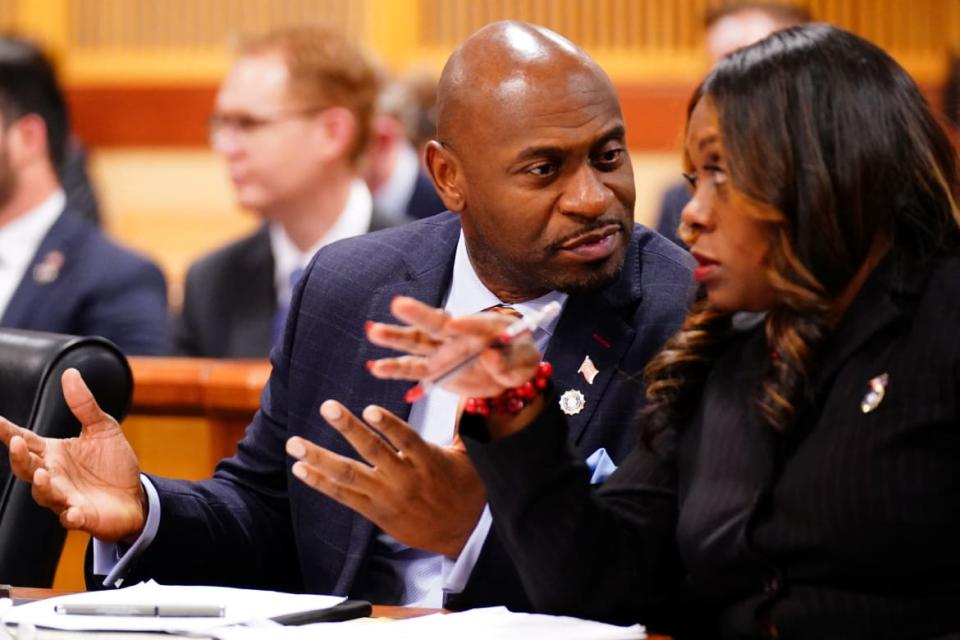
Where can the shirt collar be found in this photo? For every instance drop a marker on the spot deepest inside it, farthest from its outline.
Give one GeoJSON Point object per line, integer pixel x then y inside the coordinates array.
{"type": "Point", "coordinates": [354, 220]}
{"type": "Point", "coordinates": [469, 295]}
{"type": "Point", "coordinates": [20, 239]}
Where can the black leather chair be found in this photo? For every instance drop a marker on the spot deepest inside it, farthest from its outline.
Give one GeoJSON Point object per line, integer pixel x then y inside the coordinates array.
{"type": "Point", "coordinates": [31, 363]}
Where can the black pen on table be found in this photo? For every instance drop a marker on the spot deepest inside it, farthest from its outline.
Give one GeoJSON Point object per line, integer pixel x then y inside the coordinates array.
{"type": "Point", "coordinates": [517, 328]}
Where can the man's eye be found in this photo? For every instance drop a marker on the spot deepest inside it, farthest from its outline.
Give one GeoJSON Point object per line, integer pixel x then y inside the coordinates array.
{"type": "Point", "coordinates": [691, 179]}
{"type": "Point", "coordinates": [610, 157]}
{"type": "Point", "coordinates": [543, 170]}
{"type": "Point", "coordinates": [246, 123]}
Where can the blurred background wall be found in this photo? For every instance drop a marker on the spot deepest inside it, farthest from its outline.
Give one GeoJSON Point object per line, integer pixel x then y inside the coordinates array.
{"type": "Point", "coordinates": [141, 76]}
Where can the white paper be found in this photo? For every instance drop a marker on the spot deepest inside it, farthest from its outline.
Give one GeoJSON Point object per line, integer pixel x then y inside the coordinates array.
{"type": "Point", "coordinates": [477, 624]}
{"type": "Point", "coordinates": [242, 606]}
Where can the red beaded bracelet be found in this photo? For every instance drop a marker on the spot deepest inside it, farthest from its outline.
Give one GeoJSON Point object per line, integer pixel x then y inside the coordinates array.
{"type": "Point", "coordinates": [512, 400]}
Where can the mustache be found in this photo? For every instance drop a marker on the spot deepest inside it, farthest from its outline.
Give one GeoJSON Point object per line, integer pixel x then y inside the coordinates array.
{"type": "Point", "coordinates": [595, 225]}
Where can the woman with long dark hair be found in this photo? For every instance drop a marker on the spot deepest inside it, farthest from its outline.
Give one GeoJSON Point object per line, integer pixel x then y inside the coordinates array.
{"type": "Point", "coordinates": [798, 473]}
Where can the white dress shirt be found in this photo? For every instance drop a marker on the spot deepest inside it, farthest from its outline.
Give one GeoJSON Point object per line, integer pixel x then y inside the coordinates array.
{"type": "Point", "coordinates": [427, 575]}
{"type": "Point", "coordinates": [19, 241]}
{"type": "Point", "coordinates": [354, 220]}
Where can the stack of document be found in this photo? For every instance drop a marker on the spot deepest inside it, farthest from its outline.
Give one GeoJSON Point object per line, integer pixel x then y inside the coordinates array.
{"type": "Point", "coordinates": [247, 613]}
{"type": "Point", "coordinates": [477, 624]}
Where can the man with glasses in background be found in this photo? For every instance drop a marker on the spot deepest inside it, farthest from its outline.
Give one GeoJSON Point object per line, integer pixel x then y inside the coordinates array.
{"type": "Point", "coordinates": [292, 120]}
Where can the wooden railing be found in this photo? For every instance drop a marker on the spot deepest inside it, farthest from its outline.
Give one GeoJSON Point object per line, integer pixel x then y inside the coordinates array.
{"type": "Point", "coordinates": [187, 414]}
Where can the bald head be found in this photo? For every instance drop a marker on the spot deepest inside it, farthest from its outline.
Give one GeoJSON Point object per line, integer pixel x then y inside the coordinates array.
{"type": "Point", "coordinates": [532, 155]}
{"type": "Point", "coordinates": [502, 65]}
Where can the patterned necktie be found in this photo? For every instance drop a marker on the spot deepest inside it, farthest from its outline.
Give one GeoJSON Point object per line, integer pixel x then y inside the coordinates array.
{"type": "Point", "coordinates": [280, 318]}
{"type": "Point", "coordinates": [505, 310]}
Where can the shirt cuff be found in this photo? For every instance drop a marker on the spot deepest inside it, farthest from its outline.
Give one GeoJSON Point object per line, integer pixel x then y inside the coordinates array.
{"type": "Point", "coordinates": [109, 560]}
{"type": "Point", "coordinates": [456, 572]}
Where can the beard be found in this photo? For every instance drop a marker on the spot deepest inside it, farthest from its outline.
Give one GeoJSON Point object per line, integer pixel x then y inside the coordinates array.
{"type": "Point", "coordinates": [8, 180]}
{"type": "Point", "coordinates": [536, 273]}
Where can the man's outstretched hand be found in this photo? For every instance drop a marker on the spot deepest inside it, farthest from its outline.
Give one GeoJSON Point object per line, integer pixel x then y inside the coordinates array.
{"type": "Point", "coordinates": [424, 495]}
{"type": "Point", "coordinates": [92, 482]}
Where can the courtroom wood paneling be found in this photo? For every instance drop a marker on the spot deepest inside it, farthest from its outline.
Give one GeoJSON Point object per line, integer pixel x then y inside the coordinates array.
{"type": "Point", "coordinates": [177, 117]}
{"type": "Point", "coordinates": [161, 116]}
{"type": "Point", "coordinates": [141, 116]}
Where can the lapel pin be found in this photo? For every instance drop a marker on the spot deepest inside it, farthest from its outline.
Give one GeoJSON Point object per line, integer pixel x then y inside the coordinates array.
{"type": "Point", "coordinates": [588, 369]}
{"type": "Point", "coordinates": [572, 402]}
{"type": "Point", "coordinates": [48, 269]}
{"type": "Point", "coordinates": [878, 389]}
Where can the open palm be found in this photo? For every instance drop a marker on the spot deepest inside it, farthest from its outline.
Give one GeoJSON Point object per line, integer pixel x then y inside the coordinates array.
{"type": "Point", "coordinates": [92, 482]}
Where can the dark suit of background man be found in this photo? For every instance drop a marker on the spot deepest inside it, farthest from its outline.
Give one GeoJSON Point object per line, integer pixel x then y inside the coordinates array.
{"type": "Point", "coordinates": [394, 170]}
{"type": "Point", "coordinates": [57, 270]}
{"type": "Point", "coordinates": [292, 121]}
{"type": "Point", "coordinates": [542, 193]}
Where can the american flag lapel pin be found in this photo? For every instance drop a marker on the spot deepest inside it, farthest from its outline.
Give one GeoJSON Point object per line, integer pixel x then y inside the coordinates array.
{"type": "Point", "coordinates": [877, 389]}
{"type": "Point", "coordinates": [48, 269]}
{"type": "Point", "coordinates": [588, 370]}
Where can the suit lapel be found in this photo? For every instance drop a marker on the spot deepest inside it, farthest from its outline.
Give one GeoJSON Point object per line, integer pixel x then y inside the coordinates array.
{"type": "Point", "coordinates": [30, 293]}
{"type": "Point", "coordinates": [594, 325]}
{"type": "Point", "coordinates": [583, 333]}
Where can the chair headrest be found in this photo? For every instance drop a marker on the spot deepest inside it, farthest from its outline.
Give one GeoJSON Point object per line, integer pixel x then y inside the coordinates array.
{"type": "Point", "coordinates": [31, 363]}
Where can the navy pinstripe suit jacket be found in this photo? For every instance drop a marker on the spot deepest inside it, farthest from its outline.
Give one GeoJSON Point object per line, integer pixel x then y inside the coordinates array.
{"type": "Point", "coordinates": [254, 524]}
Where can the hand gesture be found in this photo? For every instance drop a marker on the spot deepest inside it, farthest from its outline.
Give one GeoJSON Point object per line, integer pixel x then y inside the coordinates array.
{"type": "Point", "coordinates": [436, 341]}
{"type": "Point", "coordinates": [425, 496]}
{"type": "Point", "coordinates": [92, 482]}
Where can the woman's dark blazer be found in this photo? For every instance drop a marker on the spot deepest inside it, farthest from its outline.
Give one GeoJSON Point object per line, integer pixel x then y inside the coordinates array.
{"type": "Point", "coordinates": [847, 526]}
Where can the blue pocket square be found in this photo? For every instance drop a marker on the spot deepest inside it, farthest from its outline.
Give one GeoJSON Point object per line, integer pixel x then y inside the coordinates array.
{"type": "Point", "coordinates": [601, 465]}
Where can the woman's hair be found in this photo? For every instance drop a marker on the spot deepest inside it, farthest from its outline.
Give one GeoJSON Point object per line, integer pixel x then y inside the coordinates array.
{"type": "Point", "coordinates": [837, 149]}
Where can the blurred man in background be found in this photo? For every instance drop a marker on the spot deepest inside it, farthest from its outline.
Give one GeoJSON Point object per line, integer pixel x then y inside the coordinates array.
{"type": "Point", "coordinates": [57, 271]}
{"type": "Point", "coordinates": [729, 27]}
{"type": "Point", "coordinates": [292, 120]}
{"type": "Point", "coordinates": [405, 121]}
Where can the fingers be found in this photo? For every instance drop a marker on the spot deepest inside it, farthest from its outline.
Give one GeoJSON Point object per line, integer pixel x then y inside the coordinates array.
{"type": "Point", "coordinates": [487, 326]}
{"type": "Point", "coordinates": [408, 339]}
{"type": "Point", "coordinates": [334, 488]}
{"type": "Point", "coordinates": [45, 493]}
{"type": "Point", "coordinates": [8, 431]}
{"type": "Point", "coordinates": [402, 368]}
{"type": "Point", "coordinates": [23, 462]}
{"type": "Point", "coordinates": [367, 442]}
{"type": "Point", "coordinates": [338, 469]}
{"type": "Point", "coordinates": [418, 314]}
{"type": "Point", "coordinates": [82, 403]}
{"type": "Point", "coordinates": [408, 442]}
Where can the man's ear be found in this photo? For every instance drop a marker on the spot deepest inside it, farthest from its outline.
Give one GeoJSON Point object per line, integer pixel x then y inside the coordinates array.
{"type": "Point", "coordinates": [447, 175]}
{"type": "Point", "coordinates": [28, 139]}
{"type": "Point", "coordinates": [339, 131]}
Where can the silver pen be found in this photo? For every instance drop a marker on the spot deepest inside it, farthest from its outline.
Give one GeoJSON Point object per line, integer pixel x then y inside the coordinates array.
{"type": "Point", "coordinates": [145, 610]}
